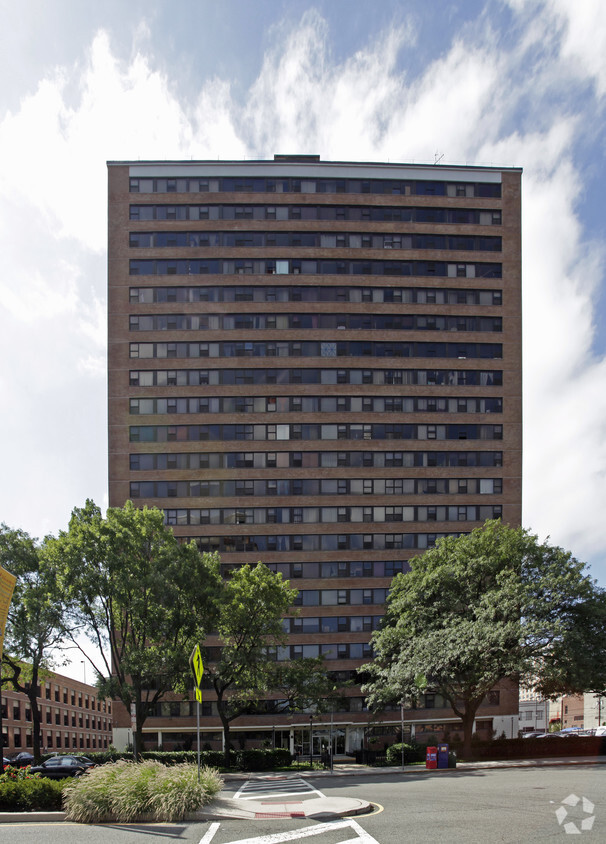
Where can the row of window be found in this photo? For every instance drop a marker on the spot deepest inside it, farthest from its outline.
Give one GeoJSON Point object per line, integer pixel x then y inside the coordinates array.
{"type": "Point", "coordinates": [334, 650]}
{"type": "Point", "coordinates": [50, 741]}
{"type": "Point", "coordinates": [57, 716]}
{"type": "Point", "coordinates": [306, 239]}
{"type": "Point", "coordinates": [312, 293]}
{"type": "Point", "coordinates": [340, 677]}
{"type": "Point", "coordinates": [318, 322]}
{"type": "Point", "coordinates": [329, 624]}
{"type": "Point", "coordinates": [308, 515]}
{"type": "Point", "coordinates": [70, 696]}
{"type": "Point", "coordinates": [313, 459]}
{"type": "Point", "coordinates": [208, 709]}
{"type": "Point", "coordinates": [314, 404]}
{"type": "Point", "coordinates": [216, 266]}
{"type": "Point", "coordinates": [196, 433]}
{"type": "Point", "coordinates": [314, 349]}
{"type": "Point", "coordinates": [319, 542]}
{"type": "Point", "coordinates": [340, 597]}
{"type": "Point", "coordinates": [206, 488]}
{"type": "Point", "coordinates": [311, 486]}
{"type": "Point", "coordinates": [66, 718]}
{"type": "Point", "coordinates": [261, 375]}
{"type": "Point", "coordinates": [249, 184]}
{"type": "Point", "coordinates": [374, 213]}
{"type": "Point", "coordinates": [341, 569]}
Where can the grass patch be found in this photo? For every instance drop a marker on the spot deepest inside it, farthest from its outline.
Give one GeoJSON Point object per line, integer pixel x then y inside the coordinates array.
{"type": "Point", "coordinates": [129, 791]}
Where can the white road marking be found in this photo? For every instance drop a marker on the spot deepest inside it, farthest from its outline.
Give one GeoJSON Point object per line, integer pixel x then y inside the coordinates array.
{"type": "Point", "coordinates": [280, 794]}
{"type": "Point", "coordinates": [210, 833]}
{"type": "Point", "coordinates": [363, 836]}
{"type": "Point", "coordinates": [295, 835]}
{"type": "Point", "coordinates": [240, 790]}
{"type": "Point", "coordinates": [256, 789]}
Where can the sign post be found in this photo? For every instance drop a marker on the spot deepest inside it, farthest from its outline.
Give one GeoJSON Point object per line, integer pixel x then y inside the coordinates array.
{"type": "Point", "coordinates": [197, 668]}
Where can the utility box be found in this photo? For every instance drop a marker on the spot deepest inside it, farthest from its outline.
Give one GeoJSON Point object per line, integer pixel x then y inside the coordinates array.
{"type": "Point", "coordinates": [442, 756]}
{"type": "Point", "coordinates": [431, 758]}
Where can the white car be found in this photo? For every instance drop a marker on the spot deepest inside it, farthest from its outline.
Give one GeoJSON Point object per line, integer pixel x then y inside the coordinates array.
{"type": "Point", "coordinates": [601, 731]}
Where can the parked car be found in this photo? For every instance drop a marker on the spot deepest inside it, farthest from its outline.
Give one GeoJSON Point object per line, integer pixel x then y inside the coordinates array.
{"type": "Point", "coordinates": [600, 731]}
{"type": "Point", "coordinates": [533, 734]}
{"type": "Point", "coordinates": [21, 760]}
{"type": "Point", "coordinates": [58, 767]}
{"type": "Point", "coordinates": [5, 762]}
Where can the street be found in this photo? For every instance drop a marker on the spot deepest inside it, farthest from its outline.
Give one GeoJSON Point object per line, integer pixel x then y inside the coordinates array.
{"type": "Point", "coordinates": [498, 805]}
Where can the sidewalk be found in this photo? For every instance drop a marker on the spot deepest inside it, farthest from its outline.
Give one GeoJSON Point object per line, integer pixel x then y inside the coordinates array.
{"type": "Point", "coordinates": [324, 808]}
{"type": "Point", "coordinates": [354, 770]}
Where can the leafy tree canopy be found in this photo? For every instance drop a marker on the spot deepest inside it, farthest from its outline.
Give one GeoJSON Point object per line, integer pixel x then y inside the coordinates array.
{"type": "Point", "coordinates": [143, 599]}
{"type": "Point", "coordinates": [36, 619]}
{"type": "Point", "coordinates": [250, 607]}
{"type": "Point", "coordinates": [576, 663]}
{"type": "Point", "coordinates": [472, 611]}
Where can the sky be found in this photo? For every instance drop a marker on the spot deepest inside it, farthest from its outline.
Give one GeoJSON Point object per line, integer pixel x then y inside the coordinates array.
{"type": "Point", "coordinates": [517, 83]}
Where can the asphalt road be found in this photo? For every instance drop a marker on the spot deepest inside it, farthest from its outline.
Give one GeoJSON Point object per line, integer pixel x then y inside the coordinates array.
{"type": "Point", "coordinates": [502, 805]}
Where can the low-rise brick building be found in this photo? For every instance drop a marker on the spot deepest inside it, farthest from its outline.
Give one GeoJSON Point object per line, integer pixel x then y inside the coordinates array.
{"type": "Point", "coordinates": [72, 717]}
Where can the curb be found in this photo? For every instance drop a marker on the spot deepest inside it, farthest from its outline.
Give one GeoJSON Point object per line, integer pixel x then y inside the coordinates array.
{"type": "Point", "coordinates": [31, 817]}
{"type": "Point", "coordinates": [320, 808]}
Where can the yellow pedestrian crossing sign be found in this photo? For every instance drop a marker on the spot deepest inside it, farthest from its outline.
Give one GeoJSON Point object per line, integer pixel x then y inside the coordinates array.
{"type": "Point", "coordinates": [199, 695]}
{"type": "Point", "coordinates": [197, 667]}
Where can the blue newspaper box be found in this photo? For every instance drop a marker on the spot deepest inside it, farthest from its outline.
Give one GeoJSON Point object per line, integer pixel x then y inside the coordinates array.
{"type": "Point", "coordinates": [442, 756]}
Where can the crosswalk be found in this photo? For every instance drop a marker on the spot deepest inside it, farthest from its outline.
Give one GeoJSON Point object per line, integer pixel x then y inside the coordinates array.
{"type": "Point", "coordinates": [276, 787]}
{"type": "Point", "coordinates": [341, 828]}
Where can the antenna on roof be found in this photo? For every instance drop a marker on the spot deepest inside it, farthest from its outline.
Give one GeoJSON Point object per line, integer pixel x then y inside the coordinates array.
{"type": "Point", "coordinates": [437, 158]}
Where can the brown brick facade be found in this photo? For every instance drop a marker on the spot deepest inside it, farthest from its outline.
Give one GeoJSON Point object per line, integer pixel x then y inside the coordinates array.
{"type": "Point", "coordinates": [72, 718]}
{"type": "Point", "coordinates": [221, 406]}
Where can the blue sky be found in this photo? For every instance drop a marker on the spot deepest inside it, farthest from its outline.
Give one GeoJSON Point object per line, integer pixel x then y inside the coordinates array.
{"type": "Point", "coordinates": [519, 83]}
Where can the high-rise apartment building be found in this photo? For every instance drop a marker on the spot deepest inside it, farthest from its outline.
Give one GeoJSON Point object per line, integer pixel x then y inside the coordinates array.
{"type": "Point", "coordinates": [318, 365]}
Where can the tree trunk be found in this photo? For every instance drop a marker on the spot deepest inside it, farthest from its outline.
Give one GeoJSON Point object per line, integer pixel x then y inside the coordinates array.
{"type": "Point", "coordinates": [225, 723]}
{"type": "Point", "coordinates": [468, 717]}
{"type": "Point", "coordinates": [36, 723]}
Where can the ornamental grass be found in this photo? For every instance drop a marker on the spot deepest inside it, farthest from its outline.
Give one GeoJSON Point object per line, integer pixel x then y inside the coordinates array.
{"type": "Point", "coordinates": [130, 791]}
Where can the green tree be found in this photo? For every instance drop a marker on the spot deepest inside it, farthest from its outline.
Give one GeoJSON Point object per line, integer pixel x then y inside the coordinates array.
{"type": "Point", "coordinates": [251, 605]}
{"type": "Point", "coordinates": [303, 685]}
{"type": "Point", "coordinates": [141, 597]}
{"type": "Point", "coordinates": [576, 662]}
{"type": "Point", "coordinates": [472, 611]}
{"type": "Point", "coordinates": [36, 624]}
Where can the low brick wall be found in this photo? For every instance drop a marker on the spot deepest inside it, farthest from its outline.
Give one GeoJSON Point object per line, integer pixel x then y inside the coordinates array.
{"type": "Point", "coordinates": [541, 748]}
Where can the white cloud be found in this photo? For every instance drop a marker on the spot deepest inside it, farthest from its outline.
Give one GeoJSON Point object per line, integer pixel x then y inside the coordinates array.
{"type": "Point", "coordinates": [582, 30]}
{"type": "Point", "coordinates": [477, 103]}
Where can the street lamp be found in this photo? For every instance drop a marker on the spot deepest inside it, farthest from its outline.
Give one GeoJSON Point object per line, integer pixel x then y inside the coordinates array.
{"type": "Point", "coordinates": [311, 741]}
{"type": "Point", "coordinates": [402, 736]}
{"type": "Point", "coordinates": [331, 746]}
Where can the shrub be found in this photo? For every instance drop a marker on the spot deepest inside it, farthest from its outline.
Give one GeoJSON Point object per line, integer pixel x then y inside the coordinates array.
{"type": "Point", "coordinates": [257, 759]}
{"type": "Point", "coordinates": [261, 759]}
{"type": "Point", "coordinates": [127, 791]}
{"type": "Point", "coordinates": [31, 794]}
{"type": "Point", "coordinates": [412, 753]}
